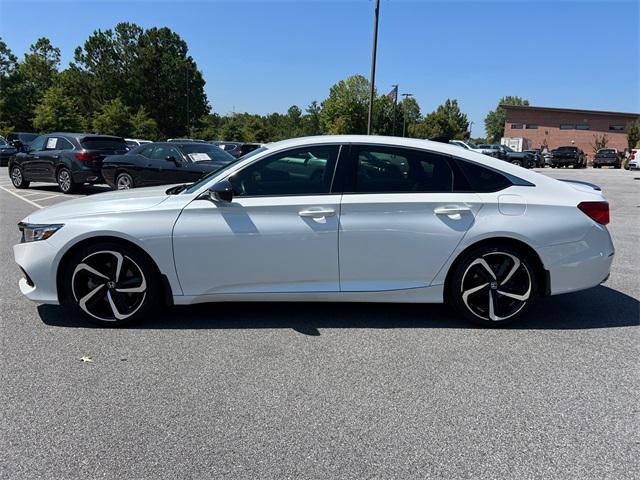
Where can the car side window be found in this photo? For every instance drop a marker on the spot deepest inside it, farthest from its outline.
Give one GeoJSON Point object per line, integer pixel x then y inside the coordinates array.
{"type": "Point", "coordinates": [302, 171]}
{"type": "Point", "coordinates": [63, 144]}
{"type": "Point", "coordinates": [147, 151]}
{"type": "Point", "coordinates": [398, 170]}
{"type": "Point", "coordinates": [38, 144]}
{"type": "Point", "coordinates": [481, 179]}
{"type": "Point", "coordinates": [161, 152]}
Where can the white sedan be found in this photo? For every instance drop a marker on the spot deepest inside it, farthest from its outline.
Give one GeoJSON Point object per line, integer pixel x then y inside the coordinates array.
{"type": "Point", "coordinates": [335, 218]}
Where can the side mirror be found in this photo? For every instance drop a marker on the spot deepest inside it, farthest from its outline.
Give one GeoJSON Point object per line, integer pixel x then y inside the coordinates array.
{"type": "Point", "coordinates": [171, 158]}
{"type": "Point", "coordinates": [221, 191]}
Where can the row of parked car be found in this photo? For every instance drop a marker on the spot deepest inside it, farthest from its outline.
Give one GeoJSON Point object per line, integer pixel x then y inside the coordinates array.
{"type": "Point", "coordinates": [74, 159]}
{"type": "Point", "coordinates": [561, 157]}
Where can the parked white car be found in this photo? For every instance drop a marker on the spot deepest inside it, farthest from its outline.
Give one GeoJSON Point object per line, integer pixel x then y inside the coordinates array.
{"type": "Point", "coordinates": [634, 160]}
{"type": "Point", "coordinates": [333, 218]}
{"type": "Point", "coordinates": [135, 142]}
{"type": "Point", "coordinates": [473, 147]}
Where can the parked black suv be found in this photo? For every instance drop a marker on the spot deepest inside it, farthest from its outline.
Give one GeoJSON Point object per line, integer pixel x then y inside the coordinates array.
{"type": "Point", "coordinates": [567, 156]}
{"type": "Point", "coordinates": [69, 159]}
{"type": "Point", "coordinates": [607, 157]}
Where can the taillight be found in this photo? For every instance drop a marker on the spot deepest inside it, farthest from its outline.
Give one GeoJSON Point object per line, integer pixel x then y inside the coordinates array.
{"type": "Point", "coordinates": [596, 211]}
{"type": "Point", "coordinates": [632, 156]}
{"type": "Point", "coordinates": [85, 157]}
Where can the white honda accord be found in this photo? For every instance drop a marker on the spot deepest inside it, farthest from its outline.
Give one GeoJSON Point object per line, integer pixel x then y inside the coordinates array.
{"type": "Point", "coordinates": [334, 218]}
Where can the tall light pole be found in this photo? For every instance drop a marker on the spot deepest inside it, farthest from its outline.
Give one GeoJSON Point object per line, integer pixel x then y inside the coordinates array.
{"type": "Point", "coordinates": [404, 114]}
{"type": "Point", "coordinates": [373, 65]}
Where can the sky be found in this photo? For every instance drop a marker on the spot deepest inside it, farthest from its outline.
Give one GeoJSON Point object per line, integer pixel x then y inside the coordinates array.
{"type": "Point", "coordinates": [264, 56]}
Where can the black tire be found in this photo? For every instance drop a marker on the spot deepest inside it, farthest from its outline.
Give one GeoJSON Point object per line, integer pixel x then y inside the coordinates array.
{"type": "Point", "coordinates": [95, 293]}
{"type": "Point", "coordinates": [517, 163]}
{"type": "Point", "coordinates": [483, 294]}
{"type": "Point", "coordinates": [124, 181]}
{"type": "Point", "coordinates": [65, 181]}
{"type": "Point", "coordinates": [17, 177]}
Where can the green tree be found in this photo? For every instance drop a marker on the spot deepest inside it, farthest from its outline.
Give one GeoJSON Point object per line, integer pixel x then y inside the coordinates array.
{"type": "Point", "coordinates": [446, 122]}
{"type": "Point", "coordinates": [633, 135]}
{"type": "Point", "coordinates": [25, 84]}
{"type": "Point", "coordinates": [8, 66]}
{"type": "Point", "coordinates": [494, 121]}
{"type": "Point", "coordinates": [599, 142]}
{"type": "Point", "coordinates": [168, 83]}
{"type": "Point", "coordinates": [114, 119]}
{"type": "Point", "coordinates": [58, 112]}
{"type": "Point", "coordinates": [311, 119]}
{"type": "Point", "coordinates": [346, 108]}
{"type": "Point", "coordinates": [143, 126]}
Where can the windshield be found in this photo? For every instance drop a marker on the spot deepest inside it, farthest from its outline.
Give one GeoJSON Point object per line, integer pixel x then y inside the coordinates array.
{"type": "Point", "coordinates": [206, 178]}
{"type": "Point", "coordinates": [199, 152]}
{"type": "Point", "coordinates": [3, 141]}
{"type": "Point", "coordinates": [508, 149]}
{"type": "Point", "coordinates": [472, 145]}
{"type": "Point", "coordinates": [567, 149]}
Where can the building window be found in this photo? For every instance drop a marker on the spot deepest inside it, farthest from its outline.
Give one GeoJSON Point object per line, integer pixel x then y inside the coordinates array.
{"type": "Point", "coordinates": [616, 127]}
{"type": "Point", "coordinates": [531, 126]}
{"type": "Point", "coordinates": [583, 126]}
{"type": "Point", "coordinates": [566, 126]}
{"type": "Point", "coordinates": [516, 126]}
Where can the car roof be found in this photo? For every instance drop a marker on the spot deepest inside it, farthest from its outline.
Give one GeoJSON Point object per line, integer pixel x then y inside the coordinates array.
{"type": "Point", "coordinates": [84, 135]}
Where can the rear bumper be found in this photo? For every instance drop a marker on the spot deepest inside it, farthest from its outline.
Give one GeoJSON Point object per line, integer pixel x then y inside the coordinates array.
{"type": "Point", "coordinates": [579, 265]}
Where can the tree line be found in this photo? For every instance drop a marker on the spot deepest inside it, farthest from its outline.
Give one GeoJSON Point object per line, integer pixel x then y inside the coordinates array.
{"type": "Point", "coordinates": [142, 83]}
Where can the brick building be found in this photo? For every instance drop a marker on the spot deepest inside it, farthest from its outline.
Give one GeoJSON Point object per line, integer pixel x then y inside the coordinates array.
{"type": "Point", "coordinates": [555, 127]}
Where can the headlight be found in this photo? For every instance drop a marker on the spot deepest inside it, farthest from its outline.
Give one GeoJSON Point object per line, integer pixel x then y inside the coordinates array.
{"type": "Point", "coordinates": [32, 232]}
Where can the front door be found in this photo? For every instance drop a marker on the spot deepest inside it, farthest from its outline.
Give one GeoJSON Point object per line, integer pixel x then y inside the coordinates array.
{"type": "Point", "coordinates": [401, 217]}
{"type": "Point", "coordinates": [279, 234]}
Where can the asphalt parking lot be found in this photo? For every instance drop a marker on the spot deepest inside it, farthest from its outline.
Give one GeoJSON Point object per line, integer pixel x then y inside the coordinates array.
{"type": "Point", "coordinates": [327, 390]}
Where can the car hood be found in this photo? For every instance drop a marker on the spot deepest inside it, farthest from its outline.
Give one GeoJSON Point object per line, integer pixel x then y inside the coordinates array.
{"type": "Point", "coordinates": [110, 202]}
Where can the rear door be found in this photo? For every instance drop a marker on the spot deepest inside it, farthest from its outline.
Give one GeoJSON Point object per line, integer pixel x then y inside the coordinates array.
{"type": "Point", "coordinates": [403, 213]}
{"type": "Point", "coordinates": [50, 157]}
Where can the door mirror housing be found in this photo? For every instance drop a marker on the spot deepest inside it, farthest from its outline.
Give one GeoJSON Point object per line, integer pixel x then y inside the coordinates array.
{"type": "Point", "coordinates": [221, 192]}
{"type": "Point", "coordinates": [171, 158]}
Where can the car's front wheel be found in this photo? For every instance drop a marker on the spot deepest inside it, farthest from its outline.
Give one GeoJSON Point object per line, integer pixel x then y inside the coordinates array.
{"type": "Point", "coordinates": [111, 284]}
{"type": "Point", "coordinates": [492, 286]}
{"type": "Point", "coordinates": [17, 177]}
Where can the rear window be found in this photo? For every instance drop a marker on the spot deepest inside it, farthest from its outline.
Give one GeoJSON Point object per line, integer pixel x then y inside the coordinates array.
{"type": "Point", "coordinates": [205, 152]}
{"type": "Point", "coordinates": [482, 179]}
{"type": "Point", "coordinates": [103, 143]}
{"type": "Point", "coordinates": [567, 149]}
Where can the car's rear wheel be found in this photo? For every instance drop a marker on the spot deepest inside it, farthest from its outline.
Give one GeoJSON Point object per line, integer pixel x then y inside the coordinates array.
{"type": "Point", "coordinates": [111, 284]}
{"type": "Point", "coordinates": [17, 177]}
{"type": "Point", "coordinates": [65, 181]}
{"type": "Point", "coordinates": [517, 163]}
{"type": "Point", "coordinates": [124, 181]}
{"type": "Point", "coordinates": [492, 286]}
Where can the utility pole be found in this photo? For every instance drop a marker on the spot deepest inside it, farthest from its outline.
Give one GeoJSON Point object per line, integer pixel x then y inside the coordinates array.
{"type": "Point", "coordinates": [404, 114]}
{"type": "Point", "coordinates": [395, 107]}
{"type": "Point", "coordinates": [188, 113]}
{"type": "Point", "coordinates": [373, 65]}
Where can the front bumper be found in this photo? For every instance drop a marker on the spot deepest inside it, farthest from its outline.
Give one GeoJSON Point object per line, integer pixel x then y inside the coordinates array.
{"type": "Point", "coordinates": [37, 261]}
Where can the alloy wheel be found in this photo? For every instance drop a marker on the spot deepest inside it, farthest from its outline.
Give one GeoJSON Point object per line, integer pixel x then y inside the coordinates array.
{"type": "Point", "coordinates": [496, 286]}
{"type": "Point", "coordinates": [16, 176]}
{"type": "Point", "coordinates": [64, 180]}
{"type": "Point", "coordinates": [109, 286]}
{"type": "Point", "coordinates": [123, 182]}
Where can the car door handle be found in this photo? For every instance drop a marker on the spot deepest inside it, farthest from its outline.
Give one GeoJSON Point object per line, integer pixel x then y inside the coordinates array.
{"type": "Point", "coordinates": [453, 210]}
{"type": "Point", "coordinates": [317, 213]}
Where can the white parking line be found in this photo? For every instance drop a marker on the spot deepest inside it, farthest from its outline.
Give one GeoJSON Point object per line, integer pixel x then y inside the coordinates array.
{"type": "Point", "coordinates": [21, 197]}
{"type": "Point", "coordinates": [47, 198]}
{"type": "Point", "coordinates": [29, 194]}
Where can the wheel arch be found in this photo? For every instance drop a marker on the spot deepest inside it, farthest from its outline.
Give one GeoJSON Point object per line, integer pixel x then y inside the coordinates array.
{"type": "Point", "coordinates": [542, 275]}
{"type": "Point", "coordinates": [84, 243]}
